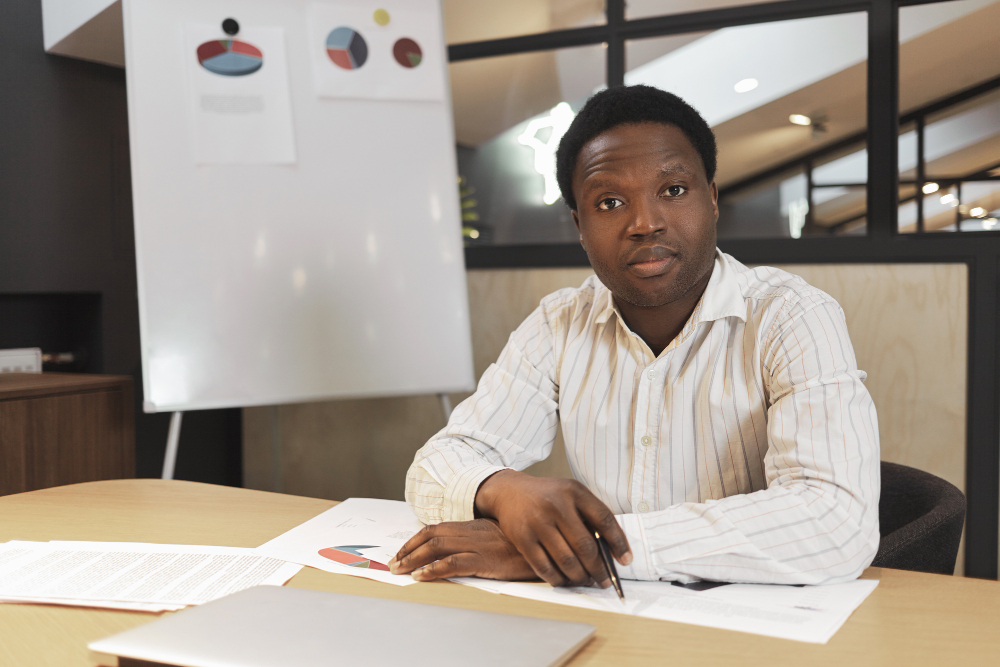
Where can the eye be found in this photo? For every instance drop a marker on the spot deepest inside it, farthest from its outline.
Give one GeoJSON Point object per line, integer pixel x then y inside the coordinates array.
{"type": "Point", "coordinates": [608, 203]}
{"type": "Point", "coordinates": [676, 190]}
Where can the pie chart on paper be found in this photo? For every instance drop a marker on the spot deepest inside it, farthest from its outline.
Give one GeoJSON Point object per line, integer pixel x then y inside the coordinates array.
{"type": "Point", "coordinates": [350, 555]}
{"type": "Point", "coordinates": [407, 53]}
{"type": "Point", "coordinates": [346, 48]}
{"type": "Point", "coordinates": [230, 57]}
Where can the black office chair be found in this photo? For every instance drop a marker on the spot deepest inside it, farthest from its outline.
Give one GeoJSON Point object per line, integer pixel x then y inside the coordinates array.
{"type": "Point", "coordinates": [920, 521]}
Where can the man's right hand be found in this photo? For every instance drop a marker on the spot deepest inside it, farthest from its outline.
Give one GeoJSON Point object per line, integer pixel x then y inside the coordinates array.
{"type": "Point", "coordinates": [552, 522]}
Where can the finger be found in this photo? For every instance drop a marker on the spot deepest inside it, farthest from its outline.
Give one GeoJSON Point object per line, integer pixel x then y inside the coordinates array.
{"type": "Point", "coordinates": [539, 560]}
{"type": "Point", "coordinates": [455, 565]}
{"type": "Point", "coordinates": [436, 548]}
{"type": "Point", "coordinates": [424, 534]}
{"type": "Point", "coordinates": [600, 518]}
{"type": "Point", "coordinates": [581, 540]}
{"type": "Point", "coordinates": [565, 558]}
{"type": "Point", "coordinates": [427, 533]}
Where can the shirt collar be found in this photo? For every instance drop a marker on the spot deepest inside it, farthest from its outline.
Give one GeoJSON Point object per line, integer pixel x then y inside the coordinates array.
{"type": "Point", "coordinates": [722, 298]}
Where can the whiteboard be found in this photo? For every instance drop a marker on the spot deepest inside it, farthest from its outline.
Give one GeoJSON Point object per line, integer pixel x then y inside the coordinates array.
{"type": "Point", "coordinates": [338, 275]}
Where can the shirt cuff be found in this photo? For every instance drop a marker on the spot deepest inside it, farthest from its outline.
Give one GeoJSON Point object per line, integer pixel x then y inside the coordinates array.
{"type": "Point", "coordinates": [460, 494]}
{"type": "Point", "coordinates": [641, 567]}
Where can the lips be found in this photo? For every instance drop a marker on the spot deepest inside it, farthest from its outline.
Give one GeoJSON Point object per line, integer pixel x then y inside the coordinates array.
{"type": "Point", "coordinates": [651, 261]}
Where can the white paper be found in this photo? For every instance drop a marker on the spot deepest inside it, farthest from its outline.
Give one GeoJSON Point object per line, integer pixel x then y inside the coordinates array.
{"type": "Point", "coordinates": [146, 577]}
{"type": "Point", "coordinates": [243, 116]}
{"type": "Point", "coordinates": [802, 613]}
{"type": "Point", "coordinates": [807, 613]}
{"type": "Point", "coordinates": [372, 70]}
{"type": "Point", "coordinates": [366, 531]}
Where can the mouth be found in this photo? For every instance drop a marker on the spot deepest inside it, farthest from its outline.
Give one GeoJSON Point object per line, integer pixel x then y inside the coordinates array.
{"type": "Point", "coordinates": [651, 261]}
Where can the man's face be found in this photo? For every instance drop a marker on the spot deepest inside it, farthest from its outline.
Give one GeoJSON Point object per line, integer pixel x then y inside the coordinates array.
{"type": "Point", "coordinates": [646, 212]}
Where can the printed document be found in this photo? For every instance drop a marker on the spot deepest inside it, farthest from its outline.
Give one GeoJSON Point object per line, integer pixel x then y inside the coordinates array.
{"type": "Point", "coordinates": [356, 537]}
{"type": "Point", "coordinates": [360, 535]}
{"type": "Point", "coordinates": [128, 575]}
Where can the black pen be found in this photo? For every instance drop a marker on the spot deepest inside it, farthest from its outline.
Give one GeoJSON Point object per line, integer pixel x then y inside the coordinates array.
{"type": "Point", "coordinates": [609, 563]}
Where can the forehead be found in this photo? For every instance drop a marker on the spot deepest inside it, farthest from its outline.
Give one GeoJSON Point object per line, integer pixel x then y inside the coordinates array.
{"type": "Point", "coordinates": [637, 145]}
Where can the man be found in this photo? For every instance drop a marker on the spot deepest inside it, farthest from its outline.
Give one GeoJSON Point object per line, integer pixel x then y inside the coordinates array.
{"type": "Point", "coordinates": [715, 420]}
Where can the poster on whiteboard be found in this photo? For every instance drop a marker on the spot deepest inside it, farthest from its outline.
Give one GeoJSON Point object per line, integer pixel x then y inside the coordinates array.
{"type": "Point", "coordinates": [239, 104]}
{"type": "Point", "coordinates": [369, 52]}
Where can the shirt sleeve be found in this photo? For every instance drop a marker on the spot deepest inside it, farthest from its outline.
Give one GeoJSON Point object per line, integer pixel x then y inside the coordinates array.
{"type": "Point", "coordinates": [817, 520]}
{"type": "Point", "coordinates": [509, 422]}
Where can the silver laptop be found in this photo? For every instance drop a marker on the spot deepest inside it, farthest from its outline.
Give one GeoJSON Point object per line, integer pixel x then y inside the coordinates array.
{"type": "Point", "coordinates": [276, 626]}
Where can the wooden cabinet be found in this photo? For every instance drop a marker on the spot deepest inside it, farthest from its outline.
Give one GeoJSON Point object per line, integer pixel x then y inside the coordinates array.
{"type": "Point", "coordinates": [61, 428]}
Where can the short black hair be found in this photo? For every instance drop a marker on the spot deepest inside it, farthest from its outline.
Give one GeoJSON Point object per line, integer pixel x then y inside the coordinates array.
{"type": "Point", "coordinates": [626, 105]}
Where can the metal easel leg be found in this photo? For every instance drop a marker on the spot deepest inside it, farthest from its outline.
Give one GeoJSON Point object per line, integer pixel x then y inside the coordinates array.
{"type": "Point", "coordinates": [173, 436]}
{"type": "Point", "coordinates": [445, 406]}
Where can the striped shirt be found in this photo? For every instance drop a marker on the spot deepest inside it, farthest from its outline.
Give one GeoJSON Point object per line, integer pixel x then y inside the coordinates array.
{"type": "Point", "coordinates": [747, 450]}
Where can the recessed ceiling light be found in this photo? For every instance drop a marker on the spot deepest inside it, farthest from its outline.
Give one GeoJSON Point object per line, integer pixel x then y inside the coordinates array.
{"type": "Point", "coordinates": [947, 198]}
{"type": "Point", "coordinates": [989, 223]}
{"type": "Point", "coordinates": [930, 188]}
{"type": "Point", "coordinates": [745, 85]}
{"type": "Point", "coordinates": [799, 119]}
{"type": "Point", "coordinates": [978, 212]}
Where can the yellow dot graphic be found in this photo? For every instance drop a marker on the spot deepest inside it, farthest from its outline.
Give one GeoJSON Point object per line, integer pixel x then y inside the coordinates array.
{"type": "Point", "coordinates": [381, 17]}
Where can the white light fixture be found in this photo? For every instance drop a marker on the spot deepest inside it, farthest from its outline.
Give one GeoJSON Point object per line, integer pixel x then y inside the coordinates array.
{"type": "Point", "coordinates": [947, 198]}
{"type": "Point", "coordinates": [989, 223]}
{"type": "Point", "coordinates": [799, 119]}
{"type": "Point", "coordinates": [745, 85]}
{"type": "Point", "coordinates": [930, 188]}
{"type": "Point", "coordinates": [474, 234]}
{"type": "Point", "coordinates": [978, 212]}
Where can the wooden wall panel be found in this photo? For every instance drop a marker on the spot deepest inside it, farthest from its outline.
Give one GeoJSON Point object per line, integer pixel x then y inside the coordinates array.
{"type": "Point", "coordinates": [908, 323]}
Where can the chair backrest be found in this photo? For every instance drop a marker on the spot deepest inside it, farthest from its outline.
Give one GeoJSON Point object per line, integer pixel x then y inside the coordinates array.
{"type": "Point", "coordinates": [920, 521]}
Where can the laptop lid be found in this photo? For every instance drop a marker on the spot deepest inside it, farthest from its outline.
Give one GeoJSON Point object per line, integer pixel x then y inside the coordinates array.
{"type": "Point", "coordinates": [276, 626]}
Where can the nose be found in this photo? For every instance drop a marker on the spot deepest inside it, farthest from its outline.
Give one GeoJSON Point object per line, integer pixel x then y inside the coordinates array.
{"type": "Point", "coordinates": [645, 220]}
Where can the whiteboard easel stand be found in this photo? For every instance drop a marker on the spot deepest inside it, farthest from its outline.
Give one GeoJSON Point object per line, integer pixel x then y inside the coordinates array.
{"type": "Point", "coordinates": [174, 436]}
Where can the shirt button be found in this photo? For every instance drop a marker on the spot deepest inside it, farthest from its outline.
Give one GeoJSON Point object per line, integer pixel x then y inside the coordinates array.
{"type": "Point", "coordinates": [646, 441]}
{"type": "Point", "coordinates": [651, 374]}
{"type": "Point", "coordinates": [643, 507]}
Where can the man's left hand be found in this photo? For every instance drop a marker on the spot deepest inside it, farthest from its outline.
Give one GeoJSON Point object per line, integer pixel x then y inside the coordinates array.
{"type": "Point", "coordinates": [475, 548]}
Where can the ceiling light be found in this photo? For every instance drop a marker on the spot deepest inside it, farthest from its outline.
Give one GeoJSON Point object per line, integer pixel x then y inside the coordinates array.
{"type": "Point", "coordinates": [799, 119]}
{"type": "Point", "coordinates": [978, 212]}
{"type": "Point", "coordinates": [474, 234]}
{"type": "Point", "coordinates": [989, 223]}
{"type": "Point", "coordinates": [930, 188]}
{"type": "Point", "coordinates": [745, 85]}
{"type": "Point", "coordinates": [947, 198]}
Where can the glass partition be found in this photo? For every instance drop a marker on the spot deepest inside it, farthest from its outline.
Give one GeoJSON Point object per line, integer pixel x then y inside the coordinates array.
{"type": "Point", "coordinates": [787, 103]}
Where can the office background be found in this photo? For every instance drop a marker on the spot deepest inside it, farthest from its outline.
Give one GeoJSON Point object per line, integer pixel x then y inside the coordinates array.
{"type": "Point", "coordinates": [918, 282]}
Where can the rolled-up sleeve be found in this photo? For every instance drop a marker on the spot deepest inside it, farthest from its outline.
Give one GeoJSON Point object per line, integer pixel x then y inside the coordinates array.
{"type": "Point", "coordinates": [817, 520]}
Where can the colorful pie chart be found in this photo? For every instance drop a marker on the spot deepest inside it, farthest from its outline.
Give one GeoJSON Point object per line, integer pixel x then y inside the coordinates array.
{"type": "Point", "coordinates": [407, 52]}
{"type": "Point", "coordinates": [346, 48]}
{"type": "Point", "coordinates": [230, 57]}
{"type": "Point", "coordinates": [350, 555]}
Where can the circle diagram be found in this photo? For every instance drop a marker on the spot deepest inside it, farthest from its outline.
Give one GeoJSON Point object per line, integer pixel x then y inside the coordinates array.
{"type": "Point", "coordinates": [407, 52]}
{"type": "Point", "coordinates": [381, 17]}
{"type": "Point", "coordinates": [230, 57]}
{"type": "Point", "coordinates": [346, 48]}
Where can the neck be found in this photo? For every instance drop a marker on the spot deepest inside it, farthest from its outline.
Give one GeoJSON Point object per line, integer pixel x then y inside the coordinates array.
{"type": "Point", "coordinates": [658, 325]}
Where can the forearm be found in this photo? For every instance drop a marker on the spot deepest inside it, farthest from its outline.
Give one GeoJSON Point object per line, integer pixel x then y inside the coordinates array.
{"type": "Point", "coordinates": [795, 534]}
{"type": "Point", "coordinates": [441, 483]}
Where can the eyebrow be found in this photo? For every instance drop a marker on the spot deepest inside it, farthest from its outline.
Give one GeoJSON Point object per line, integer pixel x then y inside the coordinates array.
{"type": "Point", "coordinates": [672, 168]}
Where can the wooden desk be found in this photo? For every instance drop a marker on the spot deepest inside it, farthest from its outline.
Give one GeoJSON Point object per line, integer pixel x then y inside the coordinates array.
{"type": "Point", "coordinates": [910, 619]}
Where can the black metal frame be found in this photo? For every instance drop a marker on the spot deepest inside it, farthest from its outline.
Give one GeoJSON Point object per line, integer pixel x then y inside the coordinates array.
{"type": "Point", "coordinates": [882, 244]}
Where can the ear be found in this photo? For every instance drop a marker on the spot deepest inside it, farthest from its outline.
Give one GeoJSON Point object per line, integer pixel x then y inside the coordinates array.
{"type": "Point", "coordinates": [576, 221]}
{"type": "Point", "coordinates": [713, 190]}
